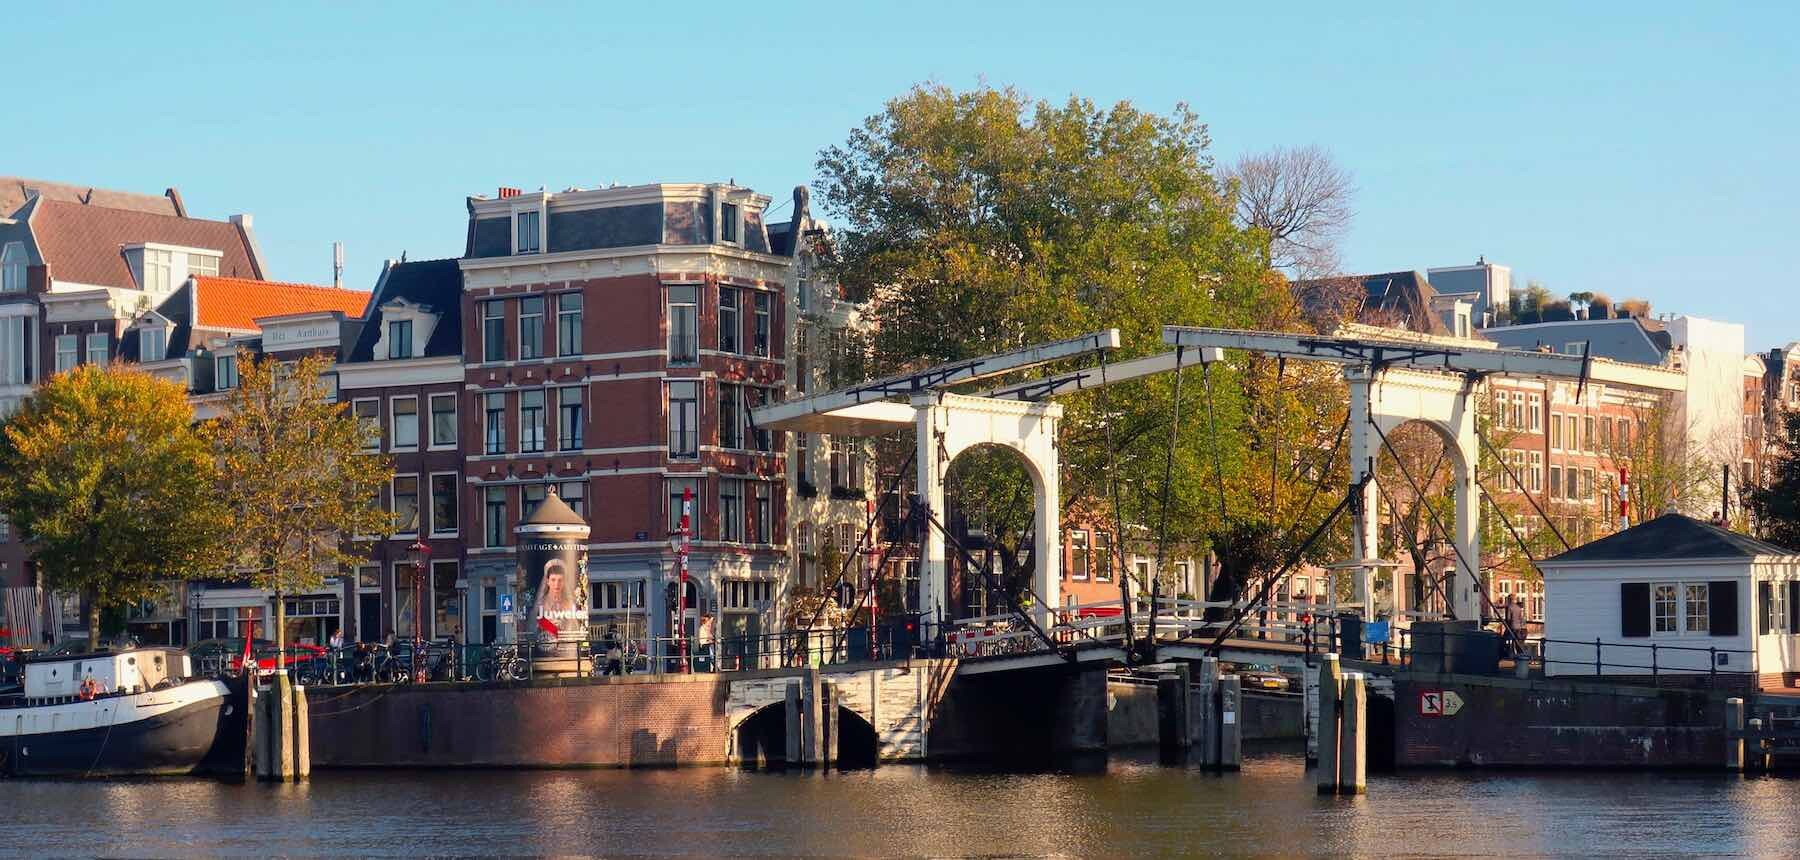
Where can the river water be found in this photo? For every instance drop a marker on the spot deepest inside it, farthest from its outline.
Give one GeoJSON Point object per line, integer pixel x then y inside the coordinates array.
{"type": "Point", "coordinates": [1133, 808]}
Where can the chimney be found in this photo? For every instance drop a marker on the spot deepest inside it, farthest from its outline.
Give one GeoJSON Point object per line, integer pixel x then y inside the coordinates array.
{"type": "Point", "coordinates": [506, 192]}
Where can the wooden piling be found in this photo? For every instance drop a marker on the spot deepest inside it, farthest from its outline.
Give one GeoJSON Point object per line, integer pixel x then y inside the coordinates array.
{"type": "Point", "coordinates": [796, 716]}
{"type": "Point", "coordinates": [1330, 681]}
{"type": "Point", "coordinates": [1231, 733]}
{"type": "Point", "coordinates": [1353, 736]}
{"type": "Point", "coordinates": [1734, 734]}
{"type": "Point", "coordinates": [1207, 713]}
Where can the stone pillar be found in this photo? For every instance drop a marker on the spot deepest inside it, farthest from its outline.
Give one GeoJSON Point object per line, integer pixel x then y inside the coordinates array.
{"type": "Point", "coordinates": [1046, 492]}
{"type": "Point", "coordinates": [1365, 448]}
{"type": "Point", "coordinates": [1173, 723]}
{"type": "Point", "coordinates": [1079, 725]}
{"type": "Point", "coordinates": [1465, 587]}
{"type": "Point", "coordinates": [933, 584]}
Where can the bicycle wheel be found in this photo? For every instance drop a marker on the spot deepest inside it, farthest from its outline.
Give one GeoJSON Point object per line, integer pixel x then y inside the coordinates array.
{"type": "Point", "coordinates": [519, 670]}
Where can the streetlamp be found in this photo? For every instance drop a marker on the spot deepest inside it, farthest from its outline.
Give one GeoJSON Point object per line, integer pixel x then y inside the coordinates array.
{"type": "Point", "coordinates": [419, 555]}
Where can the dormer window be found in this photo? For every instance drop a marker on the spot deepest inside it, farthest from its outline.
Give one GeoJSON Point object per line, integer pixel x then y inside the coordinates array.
{"type": "Point", "coordinates": [12, 268]}
{"type": "Point", "coordinates": [728, 223]}
{"type": "Point", "coordinates": [159, 268]}
{"type": "Point", "coordinates": [400, 338]}
{"type": "Point", "coordinates": [203, 264]}
{"type": "Point", "coordinates": [526, 225]}
{"type": "Point", "coordinates": [225, 372]}
{"type": "Point", "coordinates": [153, 343]}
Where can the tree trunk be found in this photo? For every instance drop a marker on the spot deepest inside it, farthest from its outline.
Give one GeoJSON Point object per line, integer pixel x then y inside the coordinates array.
{"type": "Point", "coordinates": [93, 619]}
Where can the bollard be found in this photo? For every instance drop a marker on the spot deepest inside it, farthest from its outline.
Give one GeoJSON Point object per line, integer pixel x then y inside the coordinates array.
{"type": "Point", "coordinates": [1759, 757]}
{"type": "Point", "coordinates": [1172, 715]}
{"type": "Point", "coordinates": [795, 714]}
{"type": "Point", "coordinates": [1734, 734]}
{"type": "Point", "coordinates": [1353, 736]}
{"type": "Point", "coordinates": [1231, 754]}
{"type": "Point", "coordinates": [828, 724]}
{"type": "Point", "coordinates": [1330, 678]}
{"type": "Point", "coordinates": [1207, 712]}
{"type": "Point", "coordinates": [302, 736]}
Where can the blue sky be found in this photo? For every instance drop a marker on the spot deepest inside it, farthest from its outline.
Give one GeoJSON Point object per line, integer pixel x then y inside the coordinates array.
{"type": "Point", "coordinates": [1636, 149]}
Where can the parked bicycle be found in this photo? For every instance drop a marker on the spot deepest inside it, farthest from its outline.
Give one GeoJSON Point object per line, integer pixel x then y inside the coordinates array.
{"type": "Point", "coordinates": [502, 663]}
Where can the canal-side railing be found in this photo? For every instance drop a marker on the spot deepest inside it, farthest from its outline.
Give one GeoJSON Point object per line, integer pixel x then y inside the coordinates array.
{"type": "Point", "coordinates": [1654, 662]}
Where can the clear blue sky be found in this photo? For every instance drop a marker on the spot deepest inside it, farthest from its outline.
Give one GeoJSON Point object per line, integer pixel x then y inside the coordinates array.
{"type": "Point", "coordinates": [1637, 149]}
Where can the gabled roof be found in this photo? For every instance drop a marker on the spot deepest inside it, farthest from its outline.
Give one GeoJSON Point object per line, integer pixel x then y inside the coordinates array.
{"type": "Point", "coordinates": [1671, 537]}
{"type": "Point", "coordinates": [237, 303]}
{"type": "Point", "coordinates": [436, 284]}
{"type": "Point", "coordinates": [84, 244]}
{"type": "Point", "coordinates": [13, 191]}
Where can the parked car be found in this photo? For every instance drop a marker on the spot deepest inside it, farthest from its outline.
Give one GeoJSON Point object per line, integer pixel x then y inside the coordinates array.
{"type": "Point", "coordinates": [1263, 677]}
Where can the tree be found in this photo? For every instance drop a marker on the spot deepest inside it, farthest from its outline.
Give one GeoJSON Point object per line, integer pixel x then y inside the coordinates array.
{"type": "Point", "coordinates": [1301, 199]}
{"type": "Point", "coordinates": [1777, 504]}
{"type": "Point", "coordinates": [976, 222]}
{"type": "Point", "coordinates": [294, 478]}
{"type": "Point", "coordinates": [103, 473]}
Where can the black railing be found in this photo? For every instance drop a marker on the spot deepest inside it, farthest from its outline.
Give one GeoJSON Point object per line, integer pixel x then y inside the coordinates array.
{"type": "Point", "coordinates": [1660, 663]}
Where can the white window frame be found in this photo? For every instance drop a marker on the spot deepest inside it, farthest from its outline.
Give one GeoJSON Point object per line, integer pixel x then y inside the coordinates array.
{"type": "Point", "coordinates": [693, 308]}
{"type": "Point", "coordinates": [431, 503]}
{"type": "Point", "coordinates": [1681, 628]}
{"type": "Point", "coordinates": [431, 421]}
{"type": "Point", "coordinates": [394, 443]}
{"type": "Point", "coordinates": [225, 364]}
{"type": "Point", "coordinates": [536, 233]}
{"type": "Point", "coordinates": [580, 424]}
{"type": "Point", "coordinates": [524, 319]}
{"type": "Point", "coordinates": [375, 422]}
{"type": "Point", "coordinates": [89, 355]}
{"type": "Point", "coordinates": [489, 424]}
{"type": "Point", "coordinates": [526, 439]}
{"type": "Point", "coordinates": [563, 315]}
{"type": "Point", "coordinates": [14, 264]}
{"type": "Point", "coordinates": [490, 536]}
{"type": "Point", "coordinates": [493, 310]}
{"type": "Point", "coordinates": [684, 428]}
{"type": "Point", "coordinates": [67, 353]}
{"type": "Point", "coordinates": [418, 504]}
{"type": "Point", "coordinates": [393, 342]}
{"type": "Point", "coordinates": [731, 215]}
{"type": "Point", "coordinates": [158, 334]}
{"type": "Point", "coordinates": [159, 270]}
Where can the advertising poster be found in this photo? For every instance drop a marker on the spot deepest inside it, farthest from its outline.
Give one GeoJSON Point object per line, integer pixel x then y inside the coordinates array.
{"type": "Point", "coordinates": [553, 591]}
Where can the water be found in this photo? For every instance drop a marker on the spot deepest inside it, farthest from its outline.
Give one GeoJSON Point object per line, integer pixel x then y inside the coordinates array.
{"type": "Point", "coordinates": [1134, 808]}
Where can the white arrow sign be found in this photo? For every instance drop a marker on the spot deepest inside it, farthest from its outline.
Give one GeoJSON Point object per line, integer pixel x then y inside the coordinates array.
{"type": "Point", "coordinates": [1452, 703]}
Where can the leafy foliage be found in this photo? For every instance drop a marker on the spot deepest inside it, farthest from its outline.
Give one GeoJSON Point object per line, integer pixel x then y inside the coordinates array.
{"type": "Point", "coordinates": [1777, 505]}
{"type": "Point", "coordinates": [976, 222]}
{"type": "Point", "coordinates": [294, 477]}
{"type": "Point", "coordinates": [103, 472]}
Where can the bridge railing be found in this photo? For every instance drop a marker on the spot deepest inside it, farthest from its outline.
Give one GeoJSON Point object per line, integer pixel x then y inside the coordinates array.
{"type": "Point", "coordinates": [1653, 662]}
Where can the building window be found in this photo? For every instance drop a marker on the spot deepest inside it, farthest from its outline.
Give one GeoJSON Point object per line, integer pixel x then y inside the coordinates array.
{"type": "Point", "coordinates": [1572, 432]}
{"type": "Point", "coordinates": [406, 423]}
{"type": "Point", "coordinates": [399, 338]}
{"type": "Point", "coordinates": [225, 372]}
{"type": "Point", "coordinates": [1587, 433]}
{"type": "Point", "coordinates": [368, 414]}
{"type": "Point", "coordinates": [12, 268]}
{"type": "Point", "coordinates": [5, 529]}
{"type": "Point", "coordinates": [527, 224]}
{"type": "Point", "coordinates": [568, 324]}
{"type": "Point", "coordinates": [531, 420]}
{"type": "Point", "coordinates": [443, 503]}
{"type": "Point", "coordinates": [728, 222]}
{"type": "Point", "coordinates": [1663, 607]}
{"type": "Point", "coordinates": [96, 348]}
{"type": "Point", "coordinates": [1556, 474]}
{"type": "Point", "coordinates": [153, 343]}
{"type": "Point", "coordinates": [569, 418]}
{"type": "Point", "coordinates": [406, 504]}
{"type": "Point", "coordinates": [493, 500]}
{"type": "Point", "coordinates": [1103, 556]}
{"type": "Point", "coordinates": [158, 270]}
{"type": "Point", "coordinates": [443, 420]}
{"type": "Point", "coordinates": [731, 327]}
{"type": "Point", "coordinates": [684, 325]}
{"type": "Point", "coordinates": [684, 420]}
{"type": "Point", "coordinates": [530, 497]}
{"type": "Point", "coordinates": [802, 357]}
{"type": "Point", "coordinates": [203, 264]}
{"type": "Point", "coordinates": [764, 514]}
{"type": "Point", "coordinates": [1078, 554]}
{"type": "Point", "coordinates": [677, 489]}
{"type": "Point", "coordinates": [1536, 479]}
{"type": "Point", "coordinates": [760, 337]}
{"type": "Point", "coordinates": [1587, 485]}
{"type": "Point", "coordinates": [1556, 431]}
{"type": "Point", "coordinates": [846, 463]}
{"type": "Point", "coordinates": [15, 353]}
{"type": "Point", "coordinates": [495, 408]}
{"type": "Point", "coordinates": [731, 510]}
{"type": "Point", "coordinates": [574, 494]}
{"type": "Point", "coordinates": [759, 438]}
{"type": "Point", "coordinates": [531, 327]}
{"type": "Point", "coordinates": [493, 331]}
{"type": "Point", "coordinates": [68, 351]}
{"type": "Point", "coordinates": [1534, 413]}
{"type": "Point", "coordinates": [731, 419]}
{"type": "Point", "coordinates": [803, 457]}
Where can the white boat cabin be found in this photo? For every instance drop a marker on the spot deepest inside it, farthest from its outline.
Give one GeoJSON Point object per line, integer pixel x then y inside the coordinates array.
{"type": "Point", "coordinates": [1674, 596]}
{"type": "Point", "coordinates": [134, 671]}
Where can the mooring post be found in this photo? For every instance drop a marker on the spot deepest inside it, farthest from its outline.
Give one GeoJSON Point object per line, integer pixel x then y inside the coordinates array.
{"type": "Point", "coordinates": [1206, 712]}
{"type": "Point", "coordinates": [1231, 734]}
{"type": "Point", "coordinates": [1758, 759]}
{"type": "Point", "coordinates": [795, 734]}
{"type": "Point", "coordinates": [1330, 679]}
{"type": "Point", "coordinates": [302, 736]}
{"type": "Point", "coordinates": [1734, 734]}
{"type": "Point", "coordinates": [1353, 743]}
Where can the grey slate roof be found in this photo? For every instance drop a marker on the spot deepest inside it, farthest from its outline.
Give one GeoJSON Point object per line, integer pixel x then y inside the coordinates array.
{"type": "Point", "coordinates": [436, 284]}
{"type": "Point", "coordinates": [1671, 537]}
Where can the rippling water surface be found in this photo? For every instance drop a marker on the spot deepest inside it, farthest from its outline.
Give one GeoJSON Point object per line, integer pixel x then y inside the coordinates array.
{"type": "Point", "coordinates": [1133, 808]}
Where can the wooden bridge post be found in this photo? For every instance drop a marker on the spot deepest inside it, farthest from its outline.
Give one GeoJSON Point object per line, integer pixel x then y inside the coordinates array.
{"type": "Point", "coordinates": [1330, 677]}
{"type": "Point", "coordinates": [1354, 735]}
{"type": "Point", "coordinates": [1759, 756]}
{"type": "Point", "coordinates": [1734, 734]}
{"type": "Point", "coordinates": [1231, 734]}
{"type": "Point", "coordinates": [1206, 721]}
{"type": "Point", "coordinates": [796, 714]}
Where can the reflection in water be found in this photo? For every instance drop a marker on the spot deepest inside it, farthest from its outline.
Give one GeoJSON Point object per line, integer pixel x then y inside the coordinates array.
{"type": "Point", "coordinates": [1134, 807]}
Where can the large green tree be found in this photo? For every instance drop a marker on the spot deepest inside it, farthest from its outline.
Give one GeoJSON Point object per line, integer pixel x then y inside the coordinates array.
{"type": "Point", "coordinates": [103, 473]}
{"type": "Point", "coordinates": [295, 479]}
{"type": "Point", "coordinates": [1776, 506]}
{"type": "Point", "coordinates": [981, 221]}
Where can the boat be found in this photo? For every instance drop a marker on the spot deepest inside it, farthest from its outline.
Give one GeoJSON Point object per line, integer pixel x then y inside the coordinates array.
{"type": "Point", "coordinates": [135, 712]}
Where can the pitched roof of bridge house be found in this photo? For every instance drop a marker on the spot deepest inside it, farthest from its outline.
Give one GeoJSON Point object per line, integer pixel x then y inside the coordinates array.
{"type": "Point", "coordinates": [1671, 537]}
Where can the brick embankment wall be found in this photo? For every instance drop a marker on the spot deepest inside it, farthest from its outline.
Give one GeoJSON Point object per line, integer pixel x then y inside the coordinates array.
{"type": "Point", "coordinates": [615, 722]}
{"type": "Point", "coordinates": [1555, 723]}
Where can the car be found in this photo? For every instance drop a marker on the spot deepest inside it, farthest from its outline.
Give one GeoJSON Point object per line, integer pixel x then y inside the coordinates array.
{"type": "Point", "coordinates": [1263, 677]}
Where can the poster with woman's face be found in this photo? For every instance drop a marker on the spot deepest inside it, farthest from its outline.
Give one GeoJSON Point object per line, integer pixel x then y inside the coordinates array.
{"type": "Point", "coordinates": [555, 588]}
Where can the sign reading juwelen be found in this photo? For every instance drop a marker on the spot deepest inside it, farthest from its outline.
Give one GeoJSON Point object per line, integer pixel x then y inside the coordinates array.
{"type": "Point", "coordinates": [553, 586]}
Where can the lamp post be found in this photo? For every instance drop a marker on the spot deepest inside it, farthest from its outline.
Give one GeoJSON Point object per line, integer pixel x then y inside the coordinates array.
{"type": "Point", "coordinates": [419, 555]}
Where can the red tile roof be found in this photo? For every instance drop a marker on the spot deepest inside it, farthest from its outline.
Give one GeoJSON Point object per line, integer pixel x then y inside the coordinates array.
{"type": "Point", "coordinates": [236, 303]}
{"type": "Point", "coordinates": [13, 188]}
{"type": "Point", "coordinates": [82, 243]}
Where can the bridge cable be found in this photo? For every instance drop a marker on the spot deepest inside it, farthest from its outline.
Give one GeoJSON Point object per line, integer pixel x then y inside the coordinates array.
{"type": "Point", "coordinates": [1118, 543]}
{"type": "Point", "coordinates": [1292, 559]}
{"type": "Point", "coordinates": [1162, 528]}
{"type": "Point", "coordinates": [868, 528]}
{"type": "Point", "coordinates": [988, 575]}
{"type": "Point", "coordinates": [1489, 446]}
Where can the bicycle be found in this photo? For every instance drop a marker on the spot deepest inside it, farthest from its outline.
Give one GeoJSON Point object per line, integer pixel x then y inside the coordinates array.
{"type": "Point", "coordinates": [502, 663]}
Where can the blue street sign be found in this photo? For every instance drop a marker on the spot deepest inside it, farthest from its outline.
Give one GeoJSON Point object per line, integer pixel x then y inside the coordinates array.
{"type": "Point", "coordinates": [506, 603]}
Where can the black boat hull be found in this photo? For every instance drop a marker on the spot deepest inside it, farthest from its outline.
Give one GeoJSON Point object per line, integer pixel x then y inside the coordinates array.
{"type": "Point", "coordinates": [206, 736]}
